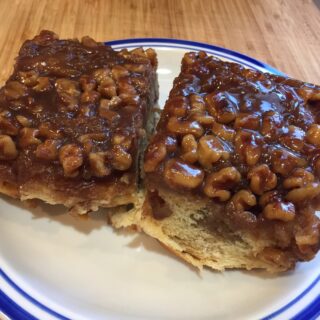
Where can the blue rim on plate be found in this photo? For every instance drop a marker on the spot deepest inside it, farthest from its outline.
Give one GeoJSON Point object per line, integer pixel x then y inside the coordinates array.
{"type": "Point", "coordinates": [194, 45]}
{"type": "Point", "coordinates": [15, 311]}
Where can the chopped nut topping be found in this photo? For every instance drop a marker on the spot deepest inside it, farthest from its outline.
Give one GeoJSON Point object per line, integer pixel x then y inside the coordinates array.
{"type": "Point", "coordinates": [119, 72]}
{"type": "Point", "coordinates": [121, 160]}
{"type": "Point", "coordinates": [46, 131]}
{"type": "Point", "coordinates": [8, 150]}
{"type": "Point", "coordinates": [155, 154]}
{"type": "Point", "coordinates": [279, 211]}
{"type": "Point", "coordinates": [298, 178]}
{"type": "Point", "coordinates": [248, 146]}
{"type": "Point", "coordinates": [68, 92]}
{"type": "Point", "coordinates": [284, 161]}
{"type": "Point", "coordinates": [210, 150]}
{"type": "Point", "coordinates": [6, 124]}
{"type": "Point", "coordinates": [107, 87]}
{"type": "Point", "coordinates": [71, 158]}
{"type": "Point", "coordinates": [28, 137]}
{"type": "Point", "coordinates": [184, 127]}
{"type": "Point", "coordinates": [97, 164]}
{"type": "Point", "coordinates": [223, 131]}
{"type": "Point", "coordinates": [42, 84]}
{"type": "Point", "coordinates": [177, 172]}
{"type": "Point", "coordinates": [313, 135]}
{"type": "Point", "coordinates": [25, 122]}
{"type": "Point", "coordinates": [243, 200]}
{"type": "Point", "coordinates": [299, 195]}
{"type": "Point", "coordinates": [189, 148]}
{"type": "Point", "coordinates": [218, 184]}
{"type": "Point", "coordinates": [14, 90]}
{"type": "Point", "coordinates": [48, 150]}
{"type": "Point", "coordinates": [262, 179]}
{"type": "Point", "coordinates": [29, 78]}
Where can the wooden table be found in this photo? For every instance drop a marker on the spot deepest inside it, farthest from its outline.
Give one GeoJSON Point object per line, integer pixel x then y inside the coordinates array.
{"type": "Point", "coordinates": [285, 34]}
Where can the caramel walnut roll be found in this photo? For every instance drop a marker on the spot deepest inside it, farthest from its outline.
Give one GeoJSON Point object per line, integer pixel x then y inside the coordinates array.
{"type": "Point", "coordinates": [72, 119]}
{"type": "Point", "coordinates": [233, 169]}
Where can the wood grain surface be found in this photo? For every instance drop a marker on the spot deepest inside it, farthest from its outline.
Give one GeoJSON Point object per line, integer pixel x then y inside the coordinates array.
{"type": "Point", "coordinates": [285, 34]}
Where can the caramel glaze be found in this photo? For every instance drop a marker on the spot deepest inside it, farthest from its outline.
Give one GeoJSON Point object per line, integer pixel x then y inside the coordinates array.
{"type": "Point", "coordinates": [258, 119]}
{"type": "Point", "coordinates": [70, 113]}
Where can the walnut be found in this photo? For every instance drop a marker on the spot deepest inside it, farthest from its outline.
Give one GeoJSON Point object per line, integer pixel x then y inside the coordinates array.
{"type": "Point", "coordinates": [136, 68]}
{"type": "Point", "coordinates": [43, 84]}
{"type": "Point", "coordinates": [139, 52]}
{"type": "Point", "coordinates": [7, 126]}
{"type": "Point", "coordinates": [177, 106]}
{"type": "Point", "coordinates": [247, 121]}
{"type": "Point", "coordinates": [155, 153]}
{"type": "Point", "coordinates": [107, 88]}
{"type": "Point", "coordinates": [197, 104]}
{"type": "Point", "coordinates": [29, 78]}
{"type": "Point", "coordinates": [306, 193]}
{"type": "Point", "coordinates": [24, 121]}
{"type": "Point", "coordinates": [89, 42]}
{"type": "Point", "coordinates": [294, 138]}
{"type": "Point", "coordinates": [189, 58]}
{"type": "Point", "coordinates": [298, 178]}
{"type": "Point", "coordinates": [71, 158]}
{"type": "Point", "coordinates": [284, 211]}
{"type": "Point", "coordinates": [223, 131]}
{"type": "Point", "coordinates": [262, 179]}
{"type": "Point", "coordinates": [243, 200]}
{"type": "Point", "coordinates": [203, 119]}
{"type": "Point", "coordinates": [68, 91]}
{"type": "Point", "coordinates": [97, 164]}
{"type": "Point", "coordinates": [189, 149]}
{"type": "Point", "coordinates": [182, 127]}
{"type": "Point", "coordinates": [270, 196]}
{"type": "Point", "coordinates": [152, 56]}
{"type": "Point", "coordinates": [221, 106]}
{"type": "Point", "coordinates": [90, 97]}
{"type": "Point", "coordinates": [28, 137]}
{"type": "Point", "coordinates": [106, 113]}
{"type": "Point", "coordinates": [87, 83]}
{"type": "Point", "coordinates": [46, 131]}
{"type": "Point", "coordinates": [271, 122]}
{"type": "Point", "coordinates": [124, 141]}
{"type": "Point", "coordinates": [129, 99]}
{"type": "Point", "coordinates": [121, 159]}
{"type": "Point", "coordinates": [307, 93]}
{"type": "Point", "coordinates": [210, 150]}
{"type": "Point", "coordinates": [99, 75]}
{"type": "Point", "coordinates": [313, 135]}
{"type": "Point", "coordinates": [87, 140]}
{"type": "Point", "coordinates": [8, 150]}
{"type": "Point", "coordinates": [14, 90]}
{"type": "Point", "coordinates": [118, 72]}
{"type": "Point", "coordinates": [182, 174]}
{"type": "Point", "coordinates": [48, 150]}
{"type": "Point", "coordinates": [125, 87]}
{"type": "Point", "coordinates": [218, 184]}
{"type": "Point", "coordinates": [248, 146]}
{"type": "Point", "coordinates": [284, 161]}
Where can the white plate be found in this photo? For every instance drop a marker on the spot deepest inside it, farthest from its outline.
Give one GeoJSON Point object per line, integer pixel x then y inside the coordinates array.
{"type": "Point", "coordinates": [54, 266]}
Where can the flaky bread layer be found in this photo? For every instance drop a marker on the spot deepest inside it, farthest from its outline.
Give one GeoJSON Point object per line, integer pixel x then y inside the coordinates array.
{"type": "Point", "coordinates": [76, 204]}
{"type": "Point", "coordinates": [217, 247]}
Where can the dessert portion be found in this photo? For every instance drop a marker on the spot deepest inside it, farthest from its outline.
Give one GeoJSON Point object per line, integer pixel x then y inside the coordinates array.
{"type": "Point", "coordinates": [232, 172]}
{"type": "Point", "coordinates": [72, 119]}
